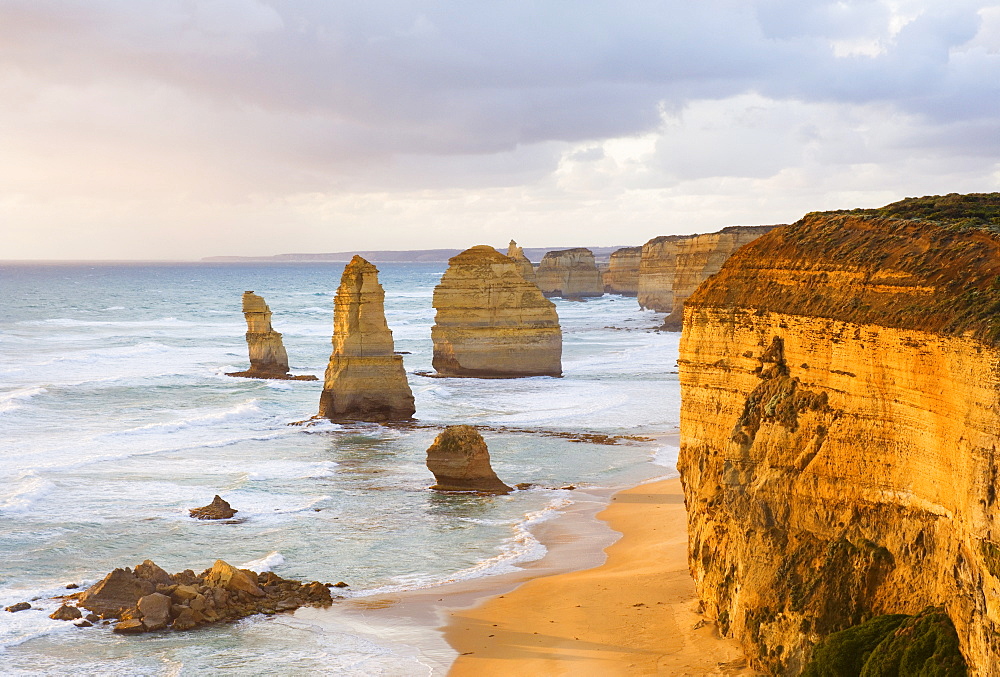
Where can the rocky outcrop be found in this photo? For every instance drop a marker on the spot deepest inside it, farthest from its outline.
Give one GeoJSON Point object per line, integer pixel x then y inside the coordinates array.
{"type": "Point", "coordinates": [460, 461]}
{"type": "Point", "coordinates": [365, 380]}
{"type": "Point", "coordinates": [622, 275]}
{"type": "Point", "coordinates": [149, 598]}
{"type": "Point", "coordinates": [516, 254]}
{"type": "Point", "coordinates": [839, 423]}
{"type": "Point", "coordinates": [569, 273]}
{"type": "Point", "coordinates": [218, 509]}
{"type": "Point", "coordinates": [268, 358]}
{"type": "Point", "coordinates": [672, 266]}
{"type": "Point", "coordinates": [491, 322]}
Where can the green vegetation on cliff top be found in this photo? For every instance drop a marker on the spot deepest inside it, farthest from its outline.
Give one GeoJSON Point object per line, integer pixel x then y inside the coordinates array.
{"type": "Point", "coordinates": [974, 210]}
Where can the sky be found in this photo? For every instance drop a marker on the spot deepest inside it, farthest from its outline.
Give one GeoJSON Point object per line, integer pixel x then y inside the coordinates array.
{"type": "Point", "coordinates": [178, 129]}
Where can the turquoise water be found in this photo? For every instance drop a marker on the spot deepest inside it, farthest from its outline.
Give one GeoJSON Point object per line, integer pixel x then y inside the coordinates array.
{"type": "Point", "coordinates": [116, 417]}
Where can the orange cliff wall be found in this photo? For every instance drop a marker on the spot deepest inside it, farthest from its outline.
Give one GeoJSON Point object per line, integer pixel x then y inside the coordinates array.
{"type": "Point", "coordinates": [839, 429]}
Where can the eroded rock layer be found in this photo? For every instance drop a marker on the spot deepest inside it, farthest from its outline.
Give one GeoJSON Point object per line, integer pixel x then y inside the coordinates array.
{"type": "Point", "coordinates": [516, 254]}
{"type": "Point", "coordinates": [569, 273]}
{"type": "Point", "coordinates": [840, 413]}
{"type": "Point", "coordinates": [622, 276]}
{"type": "Point", "coordinates": [657, 264]}
{"type": "Point", "coordinates": [365, 380]}
{"type": "Point", "coordinates": [460, 461]}
{"type": "Point", "coordinates": [491, 322]}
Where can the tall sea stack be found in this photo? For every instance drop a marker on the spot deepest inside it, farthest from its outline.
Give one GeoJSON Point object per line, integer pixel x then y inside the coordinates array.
{"type": "Point", "coordinates": [569, 273]}
{"type": "Point", "coordinates": [365, 379]}
{"type": "Point", "coordinates": [840, 410]}
{"type": "Point", "coordinates": [491, 322]}
{"type": "Point", "coordinates": [268, 358]}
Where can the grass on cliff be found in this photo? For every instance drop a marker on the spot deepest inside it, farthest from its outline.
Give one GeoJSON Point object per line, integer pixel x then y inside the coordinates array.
{"type": "Point", "coordinates": [894, 645]}
{"type": "Point", "coordinates": [973, 210]}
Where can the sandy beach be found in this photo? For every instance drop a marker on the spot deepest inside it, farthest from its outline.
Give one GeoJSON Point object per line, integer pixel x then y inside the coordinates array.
{"type": "Point", "coordinates": [636, 614]}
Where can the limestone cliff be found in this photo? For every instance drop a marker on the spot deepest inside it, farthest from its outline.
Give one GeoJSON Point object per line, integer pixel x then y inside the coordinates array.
{"type": "Point", "coordinates": [365, 379]}
{"type": "Point", "coordinates": [516, 254]}
{"type": "Point", "coordinates": [268, 358]}
{"type": "Point", "coordinates": [622, 276]}
{"type": "Point", "coordinates": [657, 264]}
{"type": "Point", "coordinates": [569, 273]}
{"type": "Point", "coordinates": [460, 461]}
{"type": "Point", "coordinates": [840, 383]}
{"type": "Point", "coordinates": [491, 322]}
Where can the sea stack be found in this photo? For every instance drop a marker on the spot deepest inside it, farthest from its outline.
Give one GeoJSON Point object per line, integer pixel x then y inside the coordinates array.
{"type": "Point", "coordinates": [491, 322]}
{"type": "Point", "coordinates": [365, 380]}
{"type": "Point", "coordinates": [516, 254]}
{"type": "Point", "coordinates": [840, 409]}
{"type": "Point", "coordinates": [268, 358]}
{"type": "Point", "coordinates": [460, 461]}
{"type": "Point", "coordinates": [622, 276]}
{"type": "Point", "coordinates": [569, 273]}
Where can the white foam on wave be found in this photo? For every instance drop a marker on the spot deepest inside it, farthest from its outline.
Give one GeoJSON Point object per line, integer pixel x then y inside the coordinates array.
{"type": "Point", "coordinates": [266, 563]}
{"type": "Point", "coordinates": [290, 470]}
{"type": "Point", "coordinates": [29, 489]}
{"type": "Point", "coordinates": [248, 410]}
{"type": "Point", "coordinates": [666, 455]}
{"type": "Point", "coordinates": [32, 623]}
{"type": "Point", "coordinates": [12, 400]}
{"type": "Point", "coordinates": [70, 322]}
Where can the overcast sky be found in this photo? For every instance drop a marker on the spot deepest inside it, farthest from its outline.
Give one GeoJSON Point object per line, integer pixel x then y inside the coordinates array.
{"type": "Point", "coordinates": [177, 129]}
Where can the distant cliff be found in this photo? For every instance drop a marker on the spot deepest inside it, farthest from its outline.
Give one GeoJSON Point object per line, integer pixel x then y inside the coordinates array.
{"type": "Point", "coordinates": [387, 256]}
{"type": "Point", "coordinates": [569, 273]}
{"type": "Point", "coordinates": [840, 383]}
{"type": "Point", "coordinates": [622, 275]}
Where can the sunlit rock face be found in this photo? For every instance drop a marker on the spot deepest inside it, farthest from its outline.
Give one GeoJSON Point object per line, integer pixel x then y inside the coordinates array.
{"type": "Point", "coordinates": [570, 273]}
{"type": "Point", "coordinates": [516, 254]}
{"type": "Point", "coordinates": [491, 322]}
{"type": "Point", "coordinates": [840, 383]}
{"type": "Point", "coordinates": [460, 461]}
{"type": "Point", "coordinates": [365, 379]}
{"type": "Point", "coordinates": [622, 276]}
{"type": "Point", "coordinates": [657, 264]}
{"type": "Point", "coordinates": [268, 358]}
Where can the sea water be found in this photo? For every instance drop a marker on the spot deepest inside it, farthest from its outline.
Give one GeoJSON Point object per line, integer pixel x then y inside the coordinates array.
{"type": "Point", "coordinates": [116, 416]}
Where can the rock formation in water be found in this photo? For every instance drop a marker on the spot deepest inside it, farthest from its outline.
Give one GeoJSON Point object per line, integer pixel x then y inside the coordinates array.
{"type": "Point", "coordinates": [672, 266]}
{"type": "Point", "coordinates": [569, 273]}
{"type": "Point", "coordinates": [840, 383]}
{"type": "Point", "coordinates": [268, 358]}
{"type": "Point", "coordinates": [491, 322]}
{"type": "Point", "coordinates": [149, 598]}
{"type": "Point", "coordinates": [218, 509]}
{"type": "Point", "coordinates": [622, 276]}
{"type": "Point", "coordinates": [516, 254]}
{"type": "Point", "coordinates": [365, 380]}
{"type": "Point", "coordinates": [460, 461]}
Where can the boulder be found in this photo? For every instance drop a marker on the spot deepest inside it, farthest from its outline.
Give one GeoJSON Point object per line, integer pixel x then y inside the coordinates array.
{"type": "Point", "coordinates": [115, 593]}
{"type": "Point", "coordinates": [365, 380]}
{"type": "Point", "coordinates": [460, 461]}
{"type": "Point", "coordinates": [491, 322]}
{"type": "Point", "coordinates": [570, 273]}
{"type": "Point", "coordinates": [218, 509]}
{"type": "Point", "coordinates": [223, 574]}
{"type": "Point", "coordinates": [155, 611]}
{"type": "Point", "coordinates": [66, 613]}
{"type": "Point", "coordinates": [20, 606]}
{"type": "Point", "coordinates": [132, 626]}
{"type": "Point", "coordinates": [268, 358]}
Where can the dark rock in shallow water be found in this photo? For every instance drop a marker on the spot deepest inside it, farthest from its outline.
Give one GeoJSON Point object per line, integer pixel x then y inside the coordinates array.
{"type": "Point", "coordinates": [133, 626]}
{"type": "Point", "coordinates": [115, 593]}
{"type": "Point", "coordinates": [84, 624]}
{"type": "Point", "coordinates": [66, 613]}
{"type": "Point", "coordinates": [20, 606]}
{"type": "Point", "coordinates": [155, 611]}
{"type": "Point", "coordinates": [460, 461]}
{"type": "Point", "coordinates": [218, 509]}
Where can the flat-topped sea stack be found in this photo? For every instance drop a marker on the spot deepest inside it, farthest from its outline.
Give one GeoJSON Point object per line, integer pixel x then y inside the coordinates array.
{"type": "Point", "coordinates": [268, 358]}
{"type": "Point", "coordinates": [516, 254]}
{"type": "Point", "coordinates": [460, 461]}
{"type": "Point", "coordinates": [698, 258]}
{"type": "Point", "coordinates": [365, 380]}
{"type": "Point", "coordinates": [622, 275]}
{"type": "Point", "coordinates": [569, 273]}
{"type": "Point", "coordinates": [840, 382]}
{"type": "Point", "coordinates": [491, 322]}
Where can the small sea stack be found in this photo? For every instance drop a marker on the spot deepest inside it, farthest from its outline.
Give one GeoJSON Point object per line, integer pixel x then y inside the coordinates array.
{"type": "Point", "coordinates": [516, 254]}
{"type": "Point", "coordinates": [460, 461]}
{"type": "Point", "coordinates": [622, 275]}
{"type": "Point", "coordinates": [268, 358]}
{"type": "Point", "coordinates": [491, 322]}
{"type": "Point", "coordinates": [218, 509]}
{"type": "Point", "coordinates": [570, 273]}
{"type": "Point", "coordinates": [365, 380]}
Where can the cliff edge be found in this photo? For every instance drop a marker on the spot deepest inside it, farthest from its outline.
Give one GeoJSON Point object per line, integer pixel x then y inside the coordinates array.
{"type": "Point", "coordinates": [840, 383]}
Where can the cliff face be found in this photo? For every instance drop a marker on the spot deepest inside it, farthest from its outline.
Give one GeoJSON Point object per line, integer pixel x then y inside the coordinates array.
{"type": "Point", "coordinates": [672, 266]}
{"type": "Point", "coordinates": [622, 276]}
{"type": "Point", "coordinates": [365, 379]}
{"type": "Point", "coordinates": [516, 254]}
{"type": "Point", "coordinates": [839, 423]}
{"type": "Point", "coordinates": [569, 273]}
{"type": "Point", "coordinates": [698, 258]}
{"type": "Point", "coordinates": [491, 322]}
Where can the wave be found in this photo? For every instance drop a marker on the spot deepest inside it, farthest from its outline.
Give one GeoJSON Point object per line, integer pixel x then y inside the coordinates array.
{"type": "Point", "coordinates": [70, 322]}
{"type": "Point", "coordinates": [245, 411]}
{"type": "Point", "coordinates": [12, 400]}
{"type": "Point", "coordinates": [30, 489]}
{"type": "Point", "coordinates": [266, 563]}
{"type": "Point", "coordinates": [290, 470]}
{"type": "Point", "coordinates": [666, 455]}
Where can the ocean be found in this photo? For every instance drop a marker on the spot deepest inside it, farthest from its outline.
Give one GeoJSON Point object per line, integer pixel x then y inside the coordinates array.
{"type": "Point", "coordinates": [116, 417]}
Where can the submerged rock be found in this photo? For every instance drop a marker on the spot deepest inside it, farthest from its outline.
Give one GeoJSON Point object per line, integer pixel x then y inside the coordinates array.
{"type": "Point", "coordinates": [268, 358]}
{"type": "Point", "coordinates": [491, 322]}
{"type": "Point", "coordinates": [460, 461]}
{"type": "Point", "coordinates": [218, 509]}
{"type": "Point", "coordinates": [66, 613]}
{"type": "Point", "coordinates": [570, 273]}
{"type": "Point", "coordinates": [20, 606]}
{"type": "Point", "coordinates": [365, 380]}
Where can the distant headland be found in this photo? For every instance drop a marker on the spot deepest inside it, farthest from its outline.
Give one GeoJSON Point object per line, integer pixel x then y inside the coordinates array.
{"type": "Point", "coordinates": [392, 256]}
